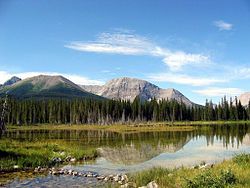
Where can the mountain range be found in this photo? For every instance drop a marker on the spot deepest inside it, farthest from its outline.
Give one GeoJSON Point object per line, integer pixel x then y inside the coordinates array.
{"type": "Point", "coordinates": [124, 88]}
{"type": "Point", "coordinates": [129, 88]}
{"type": "Point", "coordinates": [44, 87]}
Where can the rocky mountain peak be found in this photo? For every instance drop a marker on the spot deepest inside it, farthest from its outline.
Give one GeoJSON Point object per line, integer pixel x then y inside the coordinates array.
{"type": "Point", "coordinates": [244, 98]}
{"type": "Point", "coordinates": [11, 81]}
{"type": "Point", "coordinates": [126, 88]}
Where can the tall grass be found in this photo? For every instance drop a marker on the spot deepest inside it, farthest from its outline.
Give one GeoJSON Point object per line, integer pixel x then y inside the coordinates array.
{"type": "Point", "coordinates": [39, 153]}
{"type": "Point", "coordinates": [231, 173]}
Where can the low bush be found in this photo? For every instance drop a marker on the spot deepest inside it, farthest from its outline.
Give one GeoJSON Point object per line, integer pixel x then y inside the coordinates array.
{"type": "Point", "coordinates": [208, 179]}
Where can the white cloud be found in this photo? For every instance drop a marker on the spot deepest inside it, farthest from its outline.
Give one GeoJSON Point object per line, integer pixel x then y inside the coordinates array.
{"type": "Point", "coordinates": [176, 60]}
{"type": "Point", "coordinates": [223, 25]}
{"type": "Point", "coordinates": [73, 77]}
{"type": "Point", "coordinates": [117, 43]}
{"type": "Point", "coordinates": [185, 79]}
{"type": "Point", "coordinates": [131, 44]}
{"type": "Point", "coordinates": [219, 92]}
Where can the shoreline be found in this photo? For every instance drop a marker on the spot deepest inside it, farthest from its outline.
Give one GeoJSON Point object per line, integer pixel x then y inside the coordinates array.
{"type": "Point", "coordinates": [130, 127]}
{"type": "Point", "coordinates": [233, 168]}
{"type": "Point", "coordinates": [40, 153]}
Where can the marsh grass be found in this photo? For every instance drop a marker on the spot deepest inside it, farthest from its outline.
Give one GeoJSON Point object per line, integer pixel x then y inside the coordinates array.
{"type": "Point", "coordinates": [30, 154]}
{"type": "Point", "coordinates": [231, 173]}
{"type": "Point", "coordinates": [133, 128]}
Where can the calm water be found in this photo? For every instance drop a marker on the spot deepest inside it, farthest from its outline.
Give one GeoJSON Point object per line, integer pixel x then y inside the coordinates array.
{"type": "Point", "coordinates": [129, 152]}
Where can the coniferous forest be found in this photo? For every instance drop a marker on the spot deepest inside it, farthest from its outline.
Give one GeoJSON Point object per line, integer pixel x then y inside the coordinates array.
{"type": "Point", "coordinates": [87, 111]}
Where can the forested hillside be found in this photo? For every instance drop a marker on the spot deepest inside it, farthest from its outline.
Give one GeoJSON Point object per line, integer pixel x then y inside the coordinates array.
{"type": "Point", "coordinates": [89, 111]}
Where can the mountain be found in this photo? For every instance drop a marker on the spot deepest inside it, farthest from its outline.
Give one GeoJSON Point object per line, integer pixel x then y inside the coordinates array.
{"type": "Point", "coordinates": [43, 86]}
{"type": "Point", "coordinates": [11, 81]}
{"type": "Point", "coordinates": [128, 88]}
{"type": "Point", "coordinates": [244, 98]}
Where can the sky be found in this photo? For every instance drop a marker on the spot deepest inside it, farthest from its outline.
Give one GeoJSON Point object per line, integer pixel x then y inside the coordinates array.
{"type": "Point", "coordinates": [200, 48]}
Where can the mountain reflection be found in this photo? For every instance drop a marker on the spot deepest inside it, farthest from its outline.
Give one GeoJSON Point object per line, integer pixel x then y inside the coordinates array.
{"type": "Point", "coordinates": [134, 148]}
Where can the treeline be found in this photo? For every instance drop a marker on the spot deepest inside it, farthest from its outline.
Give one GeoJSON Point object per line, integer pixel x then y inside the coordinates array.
{"type": "Point", "coordinates": [86, 111]}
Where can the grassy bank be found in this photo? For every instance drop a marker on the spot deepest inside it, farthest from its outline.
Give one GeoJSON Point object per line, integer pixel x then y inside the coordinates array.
{"type": "Point", "coordinates": [113, 128]}
{"type": "Point", "coordinates": [30, 154]}
{"type": "Point", "coordinates": [230, 173]}
{"type": "Point", "coordinates": [143, 126]}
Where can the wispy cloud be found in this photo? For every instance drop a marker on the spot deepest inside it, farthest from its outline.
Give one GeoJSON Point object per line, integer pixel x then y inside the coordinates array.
{"type": "Point", "coordinates": [185, 79]}
{"type": "Point", "coordinates": [117, 43]}
{"type": "Point", "coordinates": [178, 59]}
{"type": "Point", "coordinates": [73, 77]}
{"type": "Point", "coordinates": [219, 92]}
{"type": "Point", "coordinates": [222, 25]}
{"type": "Point", "coordinates": [241, 72]}
{"type": "Point", "coordinates": [131, 44]}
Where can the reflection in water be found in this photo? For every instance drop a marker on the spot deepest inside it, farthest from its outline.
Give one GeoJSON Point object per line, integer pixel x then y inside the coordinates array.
{"type": "Point", "coordinates": [129, 152]}
{"type": "Point", "coordinates": [132, 148]}
{"type": "Point", "coordinates": [132, 154]}
{"type": "Point", "coordinates": [136, 148]}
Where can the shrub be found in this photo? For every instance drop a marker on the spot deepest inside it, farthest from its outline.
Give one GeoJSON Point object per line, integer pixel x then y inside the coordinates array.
{"type": "Point", "coordinates": [242, 159]}
{"type": "Point", "coordinates": [208, 179]}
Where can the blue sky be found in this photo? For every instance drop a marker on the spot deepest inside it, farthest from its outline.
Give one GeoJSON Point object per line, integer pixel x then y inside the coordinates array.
{"type": "Point", "coordinates": [198, 47]}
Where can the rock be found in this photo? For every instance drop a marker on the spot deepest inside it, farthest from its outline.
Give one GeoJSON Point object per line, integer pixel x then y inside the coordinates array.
{"type": "Point", "coordinates": [37, 169]}
{"type": "Point", "coordinates": [15, 166]}
{"type": "Point", "coordinates": [106, 178]}
{"type": "Point", "coordinates": [204, 166]}
{"type": "Point", "coordinates": [62, 153]}
{"type": "Point", "coordinates": [124, 178]}
{"type": "Point", "coordinates": [75, 173]}
{"type": "Point", "coordinates": [68, 158]}
{"type": "Point", "coordinates": [116, 178]}
{"type": "Point", "coordinates": [129, 185]}
{"type": "Point", "coordinates": [111, 177]}
{"type": "Point", "coordinates": [57, 160]}
{"type": "Point", "coordinates": [89, 174]}
{"type": "Point", "coordinates": [55, 172]}
{"type": "Point", "coordinates": [70, 171]}
{"type": "Point", "coordinates": [120, 182]}
{"type": "Point", "coordinates": [152, 184]}
{"type": "Point", "coordinates": [100, 177]}
{"type": "Point", "coordinates": [61, 171]}
{"type": "Point", "coordinates": [73, 160]}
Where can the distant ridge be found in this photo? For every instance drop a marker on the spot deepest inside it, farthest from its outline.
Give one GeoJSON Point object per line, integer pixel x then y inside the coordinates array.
{"type": "Point", "coordinates": [128, 88]}
{"type": "Point", "coordinates": [43, 86]}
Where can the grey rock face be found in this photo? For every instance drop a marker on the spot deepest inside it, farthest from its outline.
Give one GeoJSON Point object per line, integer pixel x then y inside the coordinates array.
{"type": "Point", "coordinates": [11, 81]}
{"type": "Point", "coordinates": [244, 98]}
{"type": "Point", "coordinates": [129, 88]}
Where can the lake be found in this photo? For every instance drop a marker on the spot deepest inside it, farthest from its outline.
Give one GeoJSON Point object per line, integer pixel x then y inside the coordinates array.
{"type": "Point", "coordinates": [129, 152]}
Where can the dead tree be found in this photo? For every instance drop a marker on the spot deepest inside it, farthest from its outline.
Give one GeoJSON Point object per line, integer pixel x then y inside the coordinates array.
{"type": "Point", "coordinates": [2, 119]}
